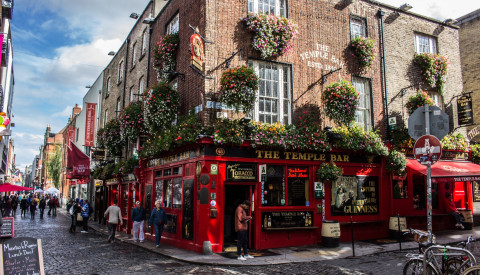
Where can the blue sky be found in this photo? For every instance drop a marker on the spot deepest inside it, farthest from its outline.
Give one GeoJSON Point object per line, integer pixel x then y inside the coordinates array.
{"type": "Point", "coordinates": [60, 46]}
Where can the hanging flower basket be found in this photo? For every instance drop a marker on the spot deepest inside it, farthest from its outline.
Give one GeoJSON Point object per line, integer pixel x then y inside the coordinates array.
{"type": "Point", "coordinates": [418, 100]}
{"type": "Point", "coordinates": [273, 35]}
{"type": "Point", "coordinates": [113, 138]}
{"type": "Point", "coordinates": [238, 88]}
{"type": "Point", "coordinates": [329, 171]}
{"type": "Point", "coordinates": [341, 101]}
{"type": "Point", "coordinates": [396, 163]}
{"type": "Point", "coordinates": [187, 129]}
{"type": "Point", "coordinates": [433, 68]}
{"type": "Point", "coordinates": [364, 49]}
{"type": "Point", "coordinates": [132, 123]}
{"type": "Point", "coordinates": [476, 153]}
{"type": "Point", "coordinates": [165, 55]}
{"type": "Point", "coordinates": [161, 107]}
{"type": "Point", "coordinates": [100, 138]}
{"type": "Point", "coordinates": [231, 132]}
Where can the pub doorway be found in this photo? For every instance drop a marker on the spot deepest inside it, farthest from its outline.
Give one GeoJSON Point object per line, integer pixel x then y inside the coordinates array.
{"type": "Point", "coordinates": [235, 194]}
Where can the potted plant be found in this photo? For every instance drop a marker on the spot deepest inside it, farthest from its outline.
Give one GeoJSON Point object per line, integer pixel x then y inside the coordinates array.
{"type": "Point", "coordinates": [329, 171]}
{"type": "Point", "coordinates": [161, 107]}
{"type": "Point", "coordinates": [165, 54]}
{"type": "Point", "coordinates": [396, 163]}
{"type": "Point", "coordinates": [341, 101]}
{"type": "Point", "coordinates": [364, 49]}
{"type": "Point", "coordinates": [418, 100]}
{"type": "Point", "coordinates": [433, 68]}
{"type": "Point", "coordinates": [273, 35]}
{"type": "Point", "coordinates": [132, 123]}
{"type": "Point", "coordinates": [238, 88]}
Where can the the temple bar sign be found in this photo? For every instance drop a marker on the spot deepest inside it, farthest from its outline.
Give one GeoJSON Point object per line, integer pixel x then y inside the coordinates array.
{"type": "Point", "coordinates": [465, 112]}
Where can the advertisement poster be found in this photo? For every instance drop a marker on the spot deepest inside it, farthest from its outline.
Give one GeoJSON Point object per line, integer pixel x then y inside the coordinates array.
{"type": "Point", "coordinates": [354, 195]}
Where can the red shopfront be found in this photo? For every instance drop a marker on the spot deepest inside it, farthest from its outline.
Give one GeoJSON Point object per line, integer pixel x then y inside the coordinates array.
{"type": "Point", "coordinates": [201, 188]}
{"type": "Point", "coordinates": [126, 191]}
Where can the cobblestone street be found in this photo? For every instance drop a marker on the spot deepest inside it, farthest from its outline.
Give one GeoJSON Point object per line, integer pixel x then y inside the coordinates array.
{"type": "Point", "coordinates": [79, 253]}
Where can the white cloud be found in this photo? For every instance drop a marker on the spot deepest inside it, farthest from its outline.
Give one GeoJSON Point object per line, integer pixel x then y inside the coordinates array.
{"type": "Point", "coordinates": [438, 9]}
{"type": "Point", "coordinates": [65, 113]}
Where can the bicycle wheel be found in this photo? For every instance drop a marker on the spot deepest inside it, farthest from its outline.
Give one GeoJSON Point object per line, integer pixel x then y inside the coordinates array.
{"type": "Point", "coordinates": [455, 266]}
{"type": "Point", "coordinates": [415, 267]}
{"type": "Point", "coordinates": [473, 270]}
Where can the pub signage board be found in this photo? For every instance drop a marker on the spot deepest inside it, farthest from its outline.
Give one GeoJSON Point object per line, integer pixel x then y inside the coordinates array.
{"type": "Point", "coordinates": [287, 219]}
{"type": "Point", "coordinates": [465, 110]}
{"type": "Point", "coordinates": [355, 195]}
{"type": "Point", "coordinates": [241, 171]}
{"type": "Point", "coordinates": [22, 256]}
{"type": "Point", "coordinates": [476, 191]}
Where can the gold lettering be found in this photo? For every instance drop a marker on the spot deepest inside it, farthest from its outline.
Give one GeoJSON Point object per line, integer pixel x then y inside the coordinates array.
{"type": "Point", "coordinates": [346, 158]}
{"type": "Point", "coordinates": [333, 157]}
{"type": "Point", "coordinates": [287, 155]}
{"type": "Point", "coordinates": [259, 154]}
{"type": "Point", "coordinates": [295, 155]}
{"type": "Point", "coordinates": [302, 156]}
{"type": "Point", "coordinates": [276, 155]}
{"type": "Point", "coordinates": [268, 154]}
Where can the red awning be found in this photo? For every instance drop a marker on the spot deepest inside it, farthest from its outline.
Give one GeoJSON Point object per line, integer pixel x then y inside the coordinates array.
{"type": "Point", "coordinates": [448, 171]}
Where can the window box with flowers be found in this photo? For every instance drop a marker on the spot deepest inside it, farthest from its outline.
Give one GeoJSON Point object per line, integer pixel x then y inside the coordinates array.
{"type": "Point", "coordinates": [165, 55]}
{"type": "Point", "coordinates": [132, 123]}
{"type": "Point", "coordinates": [364, 49]}
{"type": "Point", "coordinates": [230, 132]}
{"type": "Point", "coordinates": [273, 35]}
{"type": "Point", "coordinates": [455, 142]}
{"type": "Point", "coordinates": [112, 137]}
{"type": "Point", "coordinates": [238, 88]}
{"type": "Point", "coordinates": [476, 153]}
{"type": "Point", "coordinates": [329, 172]}
{"type": "Point", "coordinates": [161, 107]}
{"type": "Point", "coordinates": [418, 100]}
{"type": "Point", "coordinates": [354, 138]}
{"type": "Point", "coordinates": [341, 100]}
{"type": "Point", "coordinates": [396, 163]}
{"type": "Point", "coordinates": [433, 68]}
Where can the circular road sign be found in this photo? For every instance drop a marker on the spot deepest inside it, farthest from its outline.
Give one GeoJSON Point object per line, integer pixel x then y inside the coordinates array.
{"type": "Point", "coordinates": [427, 149]}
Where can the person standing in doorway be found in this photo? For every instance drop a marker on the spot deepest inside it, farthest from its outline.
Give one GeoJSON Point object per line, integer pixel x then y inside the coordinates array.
{"type": "Point", "coordinates": [158, 218]}
{"type": "Point", "coordinates": [85, 216]}
{"type": "Point", "coordinates": [138, 217]}
{"type": "Point", "coordinates": [241, 227]}
{"type": "Point", "coordinates": [114, 218]}
{"type": "Point", "coordinates": [452, 210]}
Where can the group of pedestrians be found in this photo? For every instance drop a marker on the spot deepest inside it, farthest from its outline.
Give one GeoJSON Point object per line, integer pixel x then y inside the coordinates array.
{"type": "Point", "coordinates": [79, 210]}
{"type": "Point", "coordinates": [8, 205]}
{"type": "Point", "coordinates": [28, 203]}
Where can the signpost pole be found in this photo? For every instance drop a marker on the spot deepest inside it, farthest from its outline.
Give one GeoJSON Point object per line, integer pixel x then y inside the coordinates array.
{"type": "Point", "coordinates": [429, 177]}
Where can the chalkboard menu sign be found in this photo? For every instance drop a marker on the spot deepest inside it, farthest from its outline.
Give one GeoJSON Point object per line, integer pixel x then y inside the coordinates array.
{"type": "Point", "coordinates": [476, 191]}
{"type": "Point", "coordinates": [8, 228]}
{"type": "Point", "coordinates": [22, 256]}
{"type": "Point", "coordinates": [287, 219]}
{"type": "Point", "coordinates": [241, 172]}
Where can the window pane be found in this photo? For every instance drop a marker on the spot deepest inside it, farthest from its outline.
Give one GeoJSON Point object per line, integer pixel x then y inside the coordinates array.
{"type": "Point", "coordinates": [250, 6]}
{"type": "Point", "coordinates": [274, 106]}
{"type": "Point", "coordinates": [261, 106]}
{"type": "Point", "coordinates": [167, 191]}
{"type": "Point", "coordinates": [261, 118]}
{"type": "Point", "coordinates": [274, 118]}
{"type": "Point", "coordinates": [177, 170]}
{"type": "Point", "coordinates": [282, 8]}
{"type": "Point", "coordinates": [269, 119]}
{"type": "Point", "coordinates": [274, 187]}
{"type": "Point", "coordinates": [268, 91]}
{"type": "Point", "coordinates": [262, 88]}
{"type": "Point", "coordinates": [177, 193]}
{"type": "Point", "coordinates": [297, 178]}
{"type": "Point", "coordinates": [268, 106]}
{"type": "Point", "coordinates": [159, 190]}
{"type": "Point", "coordinates": [167, 172]}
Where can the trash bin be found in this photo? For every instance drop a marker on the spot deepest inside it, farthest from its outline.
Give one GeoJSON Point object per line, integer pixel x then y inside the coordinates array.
{"type": "Point", "coordinates": [468, 222]}
{"type": "Point", "coordinates": [393, 227]}
{"type": "Point", "coordinates": [331, 233]}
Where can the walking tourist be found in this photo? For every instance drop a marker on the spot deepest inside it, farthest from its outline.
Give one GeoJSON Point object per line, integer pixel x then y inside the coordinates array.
{"type": "Point", "coordinates": [158, 218]}
{"type": "Point", "coordinates": [85, 215]}
{"type": "Point", "coordinates": [23, 206]}
{"type": "Point", "coordinates": [138, 217]}
{"type": "Point", "coordinates": [74, 212]}
{"type": "Point", "coordinates": [33, 207]}
{"type": "Point", "coordinates": [114, 218]}
{"type": "Point", "coordinates": [41, 205]}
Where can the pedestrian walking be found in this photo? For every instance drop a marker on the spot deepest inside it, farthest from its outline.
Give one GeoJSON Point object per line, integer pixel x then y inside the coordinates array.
{"type": "Point", "coordinates": [23, 206]}
{"type": "Point", "coordinates": [50, 203]}
{"type": "Point", "coordinates": [8, 206]}
{"type": "Point", "coordinates": [114, 218]}
{"type": "Point", "coordinates": [54, 206]}
{"type": "Point", "coordinates": [74, 212]}
{"type": "Point", "coordinates": [241, 227]}
{"type": "Point", "coordinates": [33, 207]}
{"type": "Point", "coordinates": [41, 206]}
{"type": "Point", "coordinates": [14, 205]}
{"type": "Point", "coordinates": [158, 218]}
{"type": "Point", "coordinates": [69, 203]}
{"type": "Point", "coordinates": [138, 217]}
{"type": "Point", "coordinates": [85, 215]}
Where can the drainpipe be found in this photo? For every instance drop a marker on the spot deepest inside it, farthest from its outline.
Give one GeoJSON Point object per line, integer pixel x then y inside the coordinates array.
{"type": "Point", "coordinates": [147, 76]}
{"type": "Point", "coordinates": [381, 13]}
{"type": "Point", "coordinates": [125, 73]}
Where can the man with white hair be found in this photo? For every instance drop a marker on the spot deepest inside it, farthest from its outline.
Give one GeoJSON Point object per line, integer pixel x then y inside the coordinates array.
{"type": "Point", "coordinates": [158, 218]}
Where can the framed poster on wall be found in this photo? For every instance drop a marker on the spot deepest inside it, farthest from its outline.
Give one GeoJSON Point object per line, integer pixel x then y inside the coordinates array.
{"type": "Point", "coordinates": [354, 195]}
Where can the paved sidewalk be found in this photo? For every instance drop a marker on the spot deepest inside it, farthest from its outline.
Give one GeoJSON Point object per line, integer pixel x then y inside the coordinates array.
{"type": "Point", "coordinates": [289, 254]}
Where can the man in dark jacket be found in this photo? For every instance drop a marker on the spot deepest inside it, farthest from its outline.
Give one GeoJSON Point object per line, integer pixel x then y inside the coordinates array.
{"type": "Point", "coordinates": [33, 207]}
{"type": "Point", "coordinates": [24, 206]}
{"type": "Point", "coordinates": [41, 205]}
{"type": "Point", "coordinates": [158, 219]}
{"type": "Point", "coordinates": [138, 217]}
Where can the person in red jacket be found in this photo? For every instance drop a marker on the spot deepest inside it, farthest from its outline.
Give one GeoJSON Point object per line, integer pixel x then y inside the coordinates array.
{"type": "Point", "coordinates": [452, 210]}
{"type": "Point", "coordinates": [241, 227]}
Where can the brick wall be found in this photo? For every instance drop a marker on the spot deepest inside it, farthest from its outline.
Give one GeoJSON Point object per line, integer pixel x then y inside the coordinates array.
{"type": "Point", "coordinates": [470, 54]}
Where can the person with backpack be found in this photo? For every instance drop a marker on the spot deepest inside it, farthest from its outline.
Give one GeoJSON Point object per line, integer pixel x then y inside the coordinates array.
{"type": "Point", "coordinates": [41, 205]}
{"type": "Point", "coordinates": [23, 206]}
{"type": "Point", "coordinates": [85, 215]}
{"type": "Point", "coordinates": [33, 207]}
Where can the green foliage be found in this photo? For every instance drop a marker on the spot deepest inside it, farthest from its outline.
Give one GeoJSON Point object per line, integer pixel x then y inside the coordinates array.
{"type": "Point", "coordinates": [165, 55]}
{"type": "Point", "coordinates": [132, 123]}
{"type": "Point", "coordinates": [401, 138]}
{"type": "Point", "coordinates": [364, 50]}
{"type": "Point", "coordinates": [112, 137]}
{"type": "Point", "coordinates": [476, 153]}
{"type": "Point", "coordinates": [54, 166]}
{"type": "Point", "coordinates": [356, 139]}
{"type": "Point", "coordinates": [455, 142]}
{"type": "Point", "coordinates": [341, 101]}
{"type": "Point", "coordinates": [108, 171]}
{"type": "Point", "coordinates": [161, 108]}
{"type": "Point", "coordinates": [229, 131]}
{"type": "Point", "coordinates": [396, 163]}
{"type": "Point", "coordinates": [418, 100]}
{"type": "Point", "coordinates": [329, 171]}
{"type": "Point", "coordinates": [434, 69]}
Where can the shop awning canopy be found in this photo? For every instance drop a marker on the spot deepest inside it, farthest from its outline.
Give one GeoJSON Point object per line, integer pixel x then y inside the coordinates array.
{"type": "Point", "coordinates": [448, 171]}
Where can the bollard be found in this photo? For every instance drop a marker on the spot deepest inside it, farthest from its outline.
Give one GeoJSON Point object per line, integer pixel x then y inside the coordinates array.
{"type": "Point", "coordinates": [207, 248]}
{"type": "Point", "coordinates": [399, 230]}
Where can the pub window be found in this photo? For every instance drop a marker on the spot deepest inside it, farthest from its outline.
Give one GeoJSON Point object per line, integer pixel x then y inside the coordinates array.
{"type": "Point", "coordinates": [159, 190]}
{"type": "Point", "coordinates": [177, 171]}
{"type": "Point", "coordinates": [144, 42]}
{"type": "Point", "coordinates": [358, 27]}
{"type": "Point", "coordinates": [273, 103]}
{"type": "Point", "coordinates": [167, 191]}
{"type": "Point", "coordinates": [158, 173]}
{"type": "Point", "coordinates": [177, 193]}
{"type": "Point", "coordinates": [363, 115]}
{"type": "Point", "coordinates": [297, 191]}
{"type": "Point", "coordinates": [425, 44]}
{"type": "Point", "coordinates": [119, 102]}
{"type": "Point", "coordinates": [167, 172]}
{"type": "Point", "coordinates": [174, 25]}
{"type": "Point", "coordinates": [108, 88]}
{"type": "Point", "coordinates": [418, 191]}
{"type": "Point", "coordinates": [134, 54]}
{"type": "Point", "coordinates": [277, 7]}
{"type": "Point", "coordinates": [106, 118]}
{"type": "Point", "coordinates": [132, 93]}
{"type": "Point", "coordinates": [121, 68]}
{"type": "Point", "coordinates": [141, 85]}
{"type": "Point", "coordinates": [274, 186]}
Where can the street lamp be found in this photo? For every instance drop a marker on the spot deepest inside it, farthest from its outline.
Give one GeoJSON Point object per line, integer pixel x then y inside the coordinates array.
{"type": "Point", "coordinates": [111, 53]}
{"type": "Point", "coordinates": [405, 7]}
{"type": "Point", "coordinates": [134, 15]}
{"type": "Point", "coordinates": [148, 20]}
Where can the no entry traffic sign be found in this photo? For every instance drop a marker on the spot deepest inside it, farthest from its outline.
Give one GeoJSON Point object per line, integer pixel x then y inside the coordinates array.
{"type": "Point", "coordinates": [427, 149]}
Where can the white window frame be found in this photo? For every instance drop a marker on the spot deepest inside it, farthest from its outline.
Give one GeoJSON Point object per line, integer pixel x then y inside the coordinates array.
{"type": "Point", "coordinates": [363, 87]}
{"type": "Point", "coordinates": [421, 48]}
{"type": "Point", "coordinates": [437, 99]}
{"type": "Point", "coordinates": [121, 68]}
{"type": "Point", "coordinates": [118, 107]}
{"type": "Point", "coordinates": [106, 118]}
{"type": "Point", "coordinates": [360, 23]}
{"type": "Point", "coordinates": [134, 54]}
{"type": "Point", "coordinates": [141, 85]}
{"type": "Point", "coordinates": [255, 6]}
{"type": "Point", "coordinates": [132, 93]}
{"type": "Point", "coordinates": [284, 93]}
{"type": "Point", "coordinates": [174, 25]}
{"type": "Point", "coordinates": [144, 42]}
{"type": "Point", "coordinates": [108, 86]}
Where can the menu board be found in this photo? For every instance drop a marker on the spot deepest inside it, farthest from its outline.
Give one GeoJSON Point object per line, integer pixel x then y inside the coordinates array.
{"type": "Point", "coordinates": [8, 228]}
{"type": "Point", "coordinates": [287, 219]}
{"type": "Point", "coordinates": [476, 191]}
{"type": "Point", "coordinates": [22, 256]}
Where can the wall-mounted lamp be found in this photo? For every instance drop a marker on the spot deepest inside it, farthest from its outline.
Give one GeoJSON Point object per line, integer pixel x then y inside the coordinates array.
{"type": "Point", "coordinates": [450, 21]}
{"type": "Point", "coordinates": [88, 86]}
{"type": "Point", "coordinates": [177, 74]}
{"type": "Point", "coordinates": [148, 20]}
{"type": "Point", "coordinates": [134, 15]}
{"type": "Point", "coordinates": [405, 7]}
{"type": "Point", "coordinates": [111, 53]}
